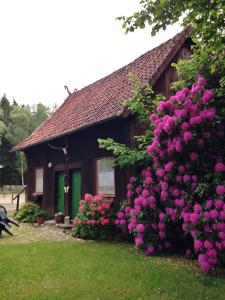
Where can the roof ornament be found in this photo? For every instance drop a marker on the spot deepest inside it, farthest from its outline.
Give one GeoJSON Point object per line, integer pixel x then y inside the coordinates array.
{"type": "Point", "coordinates": [67, 89]}
{"type": "Point", "coordinates": [64, 149]}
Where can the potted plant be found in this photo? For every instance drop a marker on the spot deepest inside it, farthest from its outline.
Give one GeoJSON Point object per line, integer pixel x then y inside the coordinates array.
{"type": "Point", "coordinates": [40, 216]}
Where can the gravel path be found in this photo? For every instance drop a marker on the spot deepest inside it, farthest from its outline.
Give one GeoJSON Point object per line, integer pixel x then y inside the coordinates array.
{"type": "Point", "coordinates": [27, 233]}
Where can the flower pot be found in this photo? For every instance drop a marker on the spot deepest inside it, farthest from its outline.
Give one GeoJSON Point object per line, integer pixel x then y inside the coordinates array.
{"type": "Point", "coordinates": [59, 218]}
{"type": "Point", "coordinates": [40, 220]}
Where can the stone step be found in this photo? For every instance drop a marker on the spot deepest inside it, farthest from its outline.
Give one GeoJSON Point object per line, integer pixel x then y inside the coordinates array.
{"type": "Point", "coordinates": [64, 226]}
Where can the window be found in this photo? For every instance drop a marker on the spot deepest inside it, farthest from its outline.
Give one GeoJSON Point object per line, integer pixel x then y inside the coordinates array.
{"type": "Point", "coordinates": [39, 180]}
{"type": "Point", "coordinates": [105, 177]}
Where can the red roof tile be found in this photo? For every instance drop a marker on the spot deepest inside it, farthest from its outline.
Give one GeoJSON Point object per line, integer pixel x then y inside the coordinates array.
{"type": "Point", "coordinates": [103, 99]}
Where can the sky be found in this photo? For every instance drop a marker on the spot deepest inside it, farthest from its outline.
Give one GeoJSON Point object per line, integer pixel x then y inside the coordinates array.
{"type": "Point", "coordinates": [47, 44]}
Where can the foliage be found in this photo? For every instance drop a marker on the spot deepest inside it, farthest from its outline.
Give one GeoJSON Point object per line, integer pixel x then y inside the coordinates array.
{"type": "Point", "coordinates": [179, 201]}
{"type": "Point", "coordinates": [140, 104]}
{"type": "Point", "coordinates": [16, 123]}
{"type": "Point", "coordinates": [29, 212]}
{"type": "Point", "coordinates": [206, 19]}
{"type": "Point", "coordinates": [95, 219]}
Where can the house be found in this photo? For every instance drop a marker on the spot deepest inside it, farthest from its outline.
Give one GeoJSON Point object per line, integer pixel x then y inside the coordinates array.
{"type": "Point", "coordinates": [64, 161]}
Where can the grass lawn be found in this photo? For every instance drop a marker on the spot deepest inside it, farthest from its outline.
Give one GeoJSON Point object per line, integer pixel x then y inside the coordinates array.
{"type": "Point", "coordinates": [85, 270]}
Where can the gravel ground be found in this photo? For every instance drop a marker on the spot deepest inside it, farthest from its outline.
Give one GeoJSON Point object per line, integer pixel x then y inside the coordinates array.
{"type": "Point", "coordinates": [6, 200]}
{"type": "Point", "coordinates": [27, 233]}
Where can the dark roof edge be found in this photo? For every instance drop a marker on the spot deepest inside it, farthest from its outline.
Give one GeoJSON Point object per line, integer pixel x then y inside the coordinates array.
{"type": "Point", "coordinates": [170, 57]}
{"type": "Point", "coordinates": [121, 114]}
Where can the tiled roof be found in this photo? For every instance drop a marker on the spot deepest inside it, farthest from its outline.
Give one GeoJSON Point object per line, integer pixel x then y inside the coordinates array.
{"type": "Point", "coordinates": [103, 99]}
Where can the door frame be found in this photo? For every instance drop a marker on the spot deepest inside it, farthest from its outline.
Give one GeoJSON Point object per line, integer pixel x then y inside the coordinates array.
{"type": "Point", "coordinates": [66, 168]}
{"type": "Point", "coordinates": [70, 190]}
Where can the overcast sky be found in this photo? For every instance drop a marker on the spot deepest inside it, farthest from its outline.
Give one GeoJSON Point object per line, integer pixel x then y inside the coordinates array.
{"type": "Point", "coordinates": [46, 44]}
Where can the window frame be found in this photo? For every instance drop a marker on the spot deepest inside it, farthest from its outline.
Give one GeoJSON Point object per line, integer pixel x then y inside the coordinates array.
{"type": "Point", "coordinates": [97, 177]}
{"type": "Point", "coordinates": [35, 182]}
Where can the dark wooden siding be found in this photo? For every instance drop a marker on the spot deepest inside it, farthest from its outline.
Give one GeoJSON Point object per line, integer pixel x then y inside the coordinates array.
{"type": "Point", "coordinates": [83, 151]}
{"type": "Point", "coordinates": [83, 148]}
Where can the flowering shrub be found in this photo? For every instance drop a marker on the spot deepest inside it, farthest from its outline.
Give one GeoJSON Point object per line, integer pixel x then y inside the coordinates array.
{"type": "Point", "coordinates": [180, 200]}
{"type": "Point", "coordinates": [95, 219]}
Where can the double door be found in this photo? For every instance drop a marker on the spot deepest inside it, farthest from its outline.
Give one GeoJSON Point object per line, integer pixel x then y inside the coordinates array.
{"type": "Point", "coordinates": [73, 192]}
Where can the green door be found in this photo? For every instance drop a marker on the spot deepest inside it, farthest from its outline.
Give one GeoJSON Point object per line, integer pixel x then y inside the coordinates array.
{"type": "Point", "coordinates": [76, 192]}
{"type": "Point", "coordinates": [60, 192]}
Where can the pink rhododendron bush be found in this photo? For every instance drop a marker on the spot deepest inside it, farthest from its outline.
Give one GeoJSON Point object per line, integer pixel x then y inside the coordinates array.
{"type": "Point", "coordinates": [95, 219]}
{"type": "Point", "coordinates": [178, 202]}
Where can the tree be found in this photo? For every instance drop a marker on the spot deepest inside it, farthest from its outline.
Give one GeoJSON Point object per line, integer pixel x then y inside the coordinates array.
{"type": "Point", "coordinates": [16, 123]}
{"type": "Point", "coordinates": [140, 104]}
{"type": "Point", "coordinates": [206, 18]}
{"type": "Point", "coordinates": [40, 113]}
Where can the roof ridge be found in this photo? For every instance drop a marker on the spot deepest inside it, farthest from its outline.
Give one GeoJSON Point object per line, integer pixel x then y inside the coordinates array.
{"type": "Point", "coordinates": [183, 33]}
{"type": "Point", "coordinates": [102, 100]}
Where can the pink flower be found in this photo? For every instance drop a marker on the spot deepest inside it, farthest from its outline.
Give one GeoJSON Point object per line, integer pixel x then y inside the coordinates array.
{"type": "Point", "coordinates": [149, 180]}
{"type": "Point", "coordinates": [186, 178]}
{"type": "Point", "coordinates": [194, 156]}
{"type": "Point", "coordinates": [138, 190]}
{"type": "Point", "coordinates": [131, 226]}
{"type": "Point", "coordinates": [178, 146]}
{"type": "Point", "coordinates": [201, 80]}
{"type": "Point", "coordinates": [198, 245]}
{"type": "Point", "coordinates": [204, 264]}
{"type": "Point", "coordinates": [169, 166]}
{"type": "Point", "coordinates": [178, 178]}
{"type": "Point", "coordinates": [129, 194]}
{"type": "Point", "coordinates": [127, 209]}
{"type": "Point", "coordinates": [153, 117]}
{"type": "Point", "coordinates": [138, 201]}
{"type": "Point", "coordinates": [209, 203]}
{"type": "Point", "coordinates": [219, 167]}
{"type": "Point", "coordinates": [208, 244]}
{"type": "Point", "coordinates": [185, 126]}
{"type": "Point", "coordinates": [180, 113]}
{"type": "Point", "coordinates": [161, 226]}
{"type": "Point", "coordinates": [130, 186]}
{"type": "Point", "coordinates": [162, 216]}
{"type": "Point", "coordinates": [194, 178]}
{"type": "Point", "coordinates": [117, 222]}
{"type": "Point", "coordinates": [214, 214]}
{"type": "Point", "coordinates": [160, 172]}
{"type": "Point", "coordinates": [132, 179]}
{"type": "Point", "coordinates": [195, 89]}
{"type": "Point", "coordinates": [122, 222]}
{"type": "Point", "coordinates": [145, 193]}
{"type": "Point", "coordinates": [120, 215]}
{"type": "Point", "coordinates": [197, 208]}
{"type": "Point", "coordinates": [176, 192]}
{"type": "Point", "coordinates": [219, 204]}
{"type": "Point", "coordinates": [163, 195]}
{"type": "Point", "coordinates": [150, 250]}
{"type": "Point", "coordinates": [139, 241]}
{"type": "Point", "coordinates": [195, 120]}
{"type": "Point", "coordinates": [140, 228]}
{"type": "Point", "coordinates": [187, 136]}
{"type": "Point", "coordinates": [220, 189]}
{"type": "Point", "coordinates": [207, 96]}
{"type": "Point", "coordinates": [194, 218]}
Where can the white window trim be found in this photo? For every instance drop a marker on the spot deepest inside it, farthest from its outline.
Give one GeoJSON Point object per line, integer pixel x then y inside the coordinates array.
{"type": "Point", "coordinates": [97, 178]}
{"type": "Point", "coordinates": [40, 191]}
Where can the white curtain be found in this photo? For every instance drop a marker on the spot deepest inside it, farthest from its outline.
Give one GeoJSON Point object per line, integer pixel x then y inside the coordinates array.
{"type": "Point", "coordinates": [106, 177]}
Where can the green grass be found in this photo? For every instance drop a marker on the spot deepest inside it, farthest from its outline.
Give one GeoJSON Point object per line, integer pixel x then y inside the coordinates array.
{"type": "Point", "coordinates": [76, 270]}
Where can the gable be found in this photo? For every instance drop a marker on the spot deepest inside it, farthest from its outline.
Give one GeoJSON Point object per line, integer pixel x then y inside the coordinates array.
{"type": "Point", "coordinates": [102, 100]}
